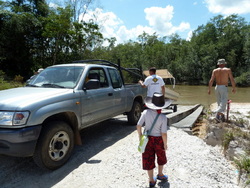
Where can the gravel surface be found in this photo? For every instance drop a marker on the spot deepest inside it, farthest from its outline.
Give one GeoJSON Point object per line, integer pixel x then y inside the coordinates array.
{"type": "Point", "coordinates": [109, 158]}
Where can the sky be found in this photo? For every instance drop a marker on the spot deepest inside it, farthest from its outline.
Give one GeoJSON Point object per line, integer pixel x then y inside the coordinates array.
{"type": "Point", "coordinates": [127, 19]}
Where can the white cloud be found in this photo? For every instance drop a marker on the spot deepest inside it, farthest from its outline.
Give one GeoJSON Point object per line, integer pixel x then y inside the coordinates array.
{"type": "Point", "coordinates": [53, 5]}
{"type": "Point", "coordinates": [159, 22]}
{"type": "Point", "coordinates": [190, 34]}
{"type": "Point", "coordinates": [227, 7]}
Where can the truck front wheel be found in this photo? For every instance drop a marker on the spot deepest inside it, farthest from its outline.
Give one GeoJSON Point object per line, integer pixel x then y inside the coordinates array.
{"type": "Point", "coordinates": [54, 146]}
{"type": "Point", "coordinates": [135, 113]}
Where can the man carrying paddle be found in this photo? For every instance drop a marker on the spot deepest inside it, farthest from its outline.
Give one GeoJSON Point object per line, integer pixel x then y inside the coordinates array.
{"type": "Point", "coordinates": [221, 75]}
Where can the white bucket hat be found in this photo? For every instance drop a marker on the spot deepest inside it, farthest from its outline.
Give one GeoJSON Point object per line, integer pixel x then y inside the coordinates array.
{"type": "Point", "coordinates": [157, 102]}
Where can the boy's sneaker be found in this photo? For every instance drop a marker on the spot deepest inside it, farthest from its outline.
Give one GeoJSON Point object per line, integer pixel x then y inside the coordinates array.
{"type": "Point", "coordinates": [164, 177]}
{"type": "Point", "coordinates": [152, 184]}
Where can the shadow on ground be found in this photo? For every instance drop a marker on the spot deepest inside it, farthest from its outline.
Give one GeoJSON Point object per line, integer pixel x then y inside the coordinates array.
{"type": "Point", "coordinates": [164, 184]}
{"type": "Point", "coordinates": [16, 172]}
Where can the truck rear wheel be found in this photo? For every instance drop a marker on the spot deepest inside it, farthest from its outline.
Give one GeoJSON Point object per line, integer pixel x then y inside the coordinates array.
{"type": "Point", "coordinates": [135, 113]}
{"type": "Point", "coordinates": [54, 146]}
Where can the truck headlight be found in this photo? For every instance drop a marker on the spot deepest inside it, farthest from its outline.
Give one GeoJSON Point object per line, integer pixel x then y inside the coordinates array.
{"type": "Point", "coordinates": [13, 118]}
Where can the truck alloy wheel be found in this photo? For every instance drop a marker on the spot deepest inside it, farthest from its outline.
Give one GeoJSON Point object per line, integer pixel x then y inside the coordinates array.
{"type": "Point", "coordinates": [54, 146]}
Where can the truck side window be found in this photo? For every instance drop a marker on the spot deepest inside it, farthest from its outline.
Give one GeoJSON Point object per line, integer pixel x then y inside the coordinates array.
{"type": "Point", "coordinates": [115, 78]}
{"type": "Point", "coordinates": [98, 74]}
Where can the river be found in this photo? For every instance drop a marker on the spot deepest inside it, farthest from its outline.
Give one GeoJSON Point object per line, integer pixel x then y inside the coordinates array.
{"type": "Point", "coordinates": [190, 95]}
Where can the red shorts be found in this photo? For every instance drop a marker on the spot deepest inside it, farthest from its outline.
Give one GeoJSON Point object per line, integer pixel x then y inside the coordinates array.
{"type": "Point", "coordinates": [154, 147]}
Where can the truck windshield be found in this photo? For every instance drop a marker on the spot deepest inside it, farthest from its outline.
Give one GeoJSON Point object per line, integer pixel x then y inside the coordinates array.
{"type": "Point", "coordinates": [57, 77]}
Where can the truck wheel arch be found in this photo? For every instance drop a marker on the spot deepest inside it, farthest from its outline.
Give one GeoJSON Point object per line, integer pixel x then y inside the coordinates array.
{"type": "Point", "coordinates": [71, 119]}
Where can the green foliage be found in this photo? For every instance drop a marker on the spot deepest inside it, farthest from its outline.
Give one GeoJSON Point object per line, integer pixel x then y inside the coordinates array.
{"type": "Point", "coordinates": [243, 164]}
{"type": "Point", "coordinates": [243, 79]}
{"type": "Point", "coordinates": [34, 35]}
{"type": "Point", "coordinates": [18, 78]}
{"type": "Point", "coordinates": [7, 85]}
{"type": "Point", "coordinates": [228, 137]}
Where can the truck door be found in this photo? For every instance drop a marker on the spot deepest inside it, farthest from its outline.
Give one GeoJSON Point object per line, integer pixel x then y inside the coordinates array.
{"type": "Point", "coordinates": [97, 104]}
{"type": "Point", "coordinates": [119, 91]}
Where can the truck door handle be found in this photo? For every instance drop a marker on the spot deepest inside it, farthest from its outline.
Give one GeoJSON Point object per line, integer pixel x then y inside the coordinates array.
{"type": "Point", "coordinates": [110, 94]}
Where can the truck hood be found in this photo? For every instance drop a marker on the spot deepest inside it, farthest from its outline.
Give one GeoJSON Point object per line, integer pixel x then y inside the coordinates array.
{"type": "Point", "coordinates": [24, 97]}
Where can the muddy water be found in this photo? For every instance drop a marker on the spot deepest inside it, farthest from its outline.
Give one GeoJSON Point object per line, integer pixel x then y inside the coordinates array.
{"type": "Point", "coordinates": [190, 95]}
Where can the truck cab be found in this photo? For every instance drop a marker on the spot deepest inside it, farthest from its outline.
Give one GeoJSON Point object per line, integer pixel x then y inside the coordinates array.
{"type": "Point", "coordinates": [44, 118]}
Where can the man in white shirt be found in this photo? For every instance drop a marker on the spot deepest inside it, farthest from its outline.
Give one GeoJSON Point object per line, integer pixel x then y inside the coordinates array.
{"type": "Point", "coordinates": [154, 83]}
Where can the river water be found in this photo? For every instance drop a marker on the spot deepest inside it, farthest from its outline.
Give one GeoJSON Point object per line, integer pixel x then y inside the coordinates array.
{"type": "Point", "coordinates": [190, 95]}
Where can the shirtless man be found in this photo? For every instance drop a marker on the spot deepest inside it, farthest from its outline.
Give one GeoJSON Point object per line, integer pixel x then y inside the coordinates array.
{"type": "Point", "coordinates": [221, 75]}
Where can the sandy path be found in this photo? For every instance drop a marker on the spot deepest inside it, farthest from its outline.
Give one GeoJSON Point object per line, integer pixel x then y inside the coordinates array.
{"type": "Point", "coordinates": [109, 158]}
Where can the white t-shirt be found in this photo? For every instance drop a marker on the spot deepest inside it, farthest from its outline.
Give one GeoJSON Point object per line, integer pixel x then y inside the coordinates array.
{"type": "Point", "coordinates": [148, 117]}
{"type": "Point", "coordinates": [154, 84]}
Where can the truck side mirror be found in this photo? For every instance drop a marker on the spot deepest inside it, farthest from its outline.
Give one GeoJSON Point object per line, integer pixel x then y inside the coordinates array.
{"type": "Point", "coordinates": [92, 84]}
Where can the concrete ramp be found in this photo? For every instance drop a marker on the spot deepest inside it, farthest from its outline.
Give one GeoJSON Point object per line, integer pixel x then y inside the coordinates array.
{"type": "Point", "coordinates": [189, 121]}
{"type": "Point", "coordinates": [182, 112]}
{"type": "Point", "coordinates": [185, 117]}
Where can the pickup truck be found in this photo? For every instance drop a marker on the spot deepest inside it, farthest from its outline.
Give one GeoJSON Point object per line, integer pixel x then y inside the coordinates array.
{"type": "Point", "coordinates": [44, 118]}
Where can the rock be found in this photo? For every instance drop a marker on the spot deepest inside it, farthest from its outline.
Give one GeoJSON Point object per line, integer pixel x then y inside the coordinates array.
{"type": "Point", "coordinates": [234, 150]}
{"type": "Point", "coordinates": [215, 135]}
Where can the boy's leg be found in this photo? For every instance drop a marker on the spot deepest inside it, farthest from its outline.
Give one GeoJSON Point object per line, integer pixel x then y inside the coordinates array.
{"type": "Point", "coordinates": [151, 175]}
{"type": "Point", "coordinates": [160, 170]}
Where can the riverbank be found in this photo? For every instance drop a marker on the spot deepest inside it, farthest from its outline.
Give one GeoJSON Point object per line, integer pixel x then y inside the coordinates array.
{"type": "Point", "coordinates": [233, 137]}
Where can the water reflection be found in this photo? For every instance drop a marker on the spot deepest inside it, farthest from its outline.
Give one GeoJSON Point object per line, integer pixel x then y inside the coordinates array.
{"type": "Point", "coordinates": [190, 95]}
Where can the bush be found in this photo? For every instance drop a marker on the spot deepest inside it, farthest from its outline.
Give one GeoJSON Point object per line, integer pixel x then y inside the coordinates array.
{"type": "Point", "coordinates": [243, 164]}
{"type": "Point", "coordinates": [243, 80]}
{"type": "Point", "coordinates": [12, 84]}
{"type": "Point", "coordinates": [18, 78]}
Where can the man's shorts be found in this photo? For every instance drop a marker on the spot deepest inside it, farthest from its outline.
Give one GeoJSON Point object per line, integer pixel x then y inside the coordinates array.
{"type": "Point", "coordinates": [155, 147]}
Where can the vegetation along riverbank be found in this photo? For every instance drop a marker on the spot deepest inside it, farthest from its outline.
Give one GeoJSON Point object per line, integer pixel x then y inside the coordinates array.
{"type": "Point", "coordinates": [232, 136]}
{"type": "Point", "coordinates": [53, 35]}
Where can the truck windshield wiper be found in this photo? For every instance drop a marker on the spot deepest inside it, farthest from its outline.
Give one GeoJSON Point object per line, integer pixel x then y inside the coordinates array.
{"type": "Point", "coordinates": [31, 85]}
{"type": "Point", "coordinates": [52, 85]}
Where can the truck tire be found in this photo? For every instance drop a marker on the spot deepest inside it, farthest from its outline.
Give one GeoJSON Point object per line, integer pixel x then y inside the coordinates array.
{"type": "Point", "coordinates": [54, 146]}
{"type": "Point", "coordinates": [135, 113]}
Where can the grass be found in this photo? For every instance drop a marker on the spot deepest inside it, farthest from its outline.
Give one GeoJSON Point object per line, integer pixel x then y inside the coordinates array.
{"type": "Point", "coordinates": [228, 137]}
{"type": "Point", "coordinates": [240, 121]}
{"type": "Point", "coordinates": [243, 165]}
{"type": "Point", "coordinates": [237, 129]}
{"type": "Point", "coordinates": [16, 82]}
{"type": "Point", "coordinates": [8, 85]}
{"type": "Point", "coordinates": [248, 116]}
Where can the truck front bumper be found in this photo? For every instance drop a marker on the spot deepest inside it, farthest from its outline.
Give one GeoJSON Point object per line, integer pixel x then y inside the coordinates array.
{"type": "Point", "coordinates": [19, 142]}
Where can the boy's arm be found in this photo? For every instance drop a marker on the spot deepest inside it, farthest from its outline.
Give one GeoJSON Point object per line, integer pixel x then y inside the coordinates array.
{"type": "Point", "coordinates": [139, 131]}
{"type": "Point", "coordinates": [165, 138]}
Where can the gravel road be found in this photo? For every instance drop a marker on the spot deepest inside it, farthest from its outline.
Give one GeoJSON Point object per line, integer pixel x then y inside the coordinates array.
{"type": "Point", "coordinates": [109, 158]}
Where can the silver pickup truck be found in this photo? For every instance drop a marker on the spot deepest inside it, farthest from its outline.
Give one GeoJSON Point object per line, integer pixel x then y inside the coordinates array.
{"type": "Point", "coordinates": [43, 119]}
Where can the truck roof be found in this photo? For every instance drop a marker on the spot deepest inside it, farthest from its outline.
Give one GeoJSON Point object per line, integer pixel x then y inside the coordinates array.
{"type": "Point", "coordinates": [80, 65]}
